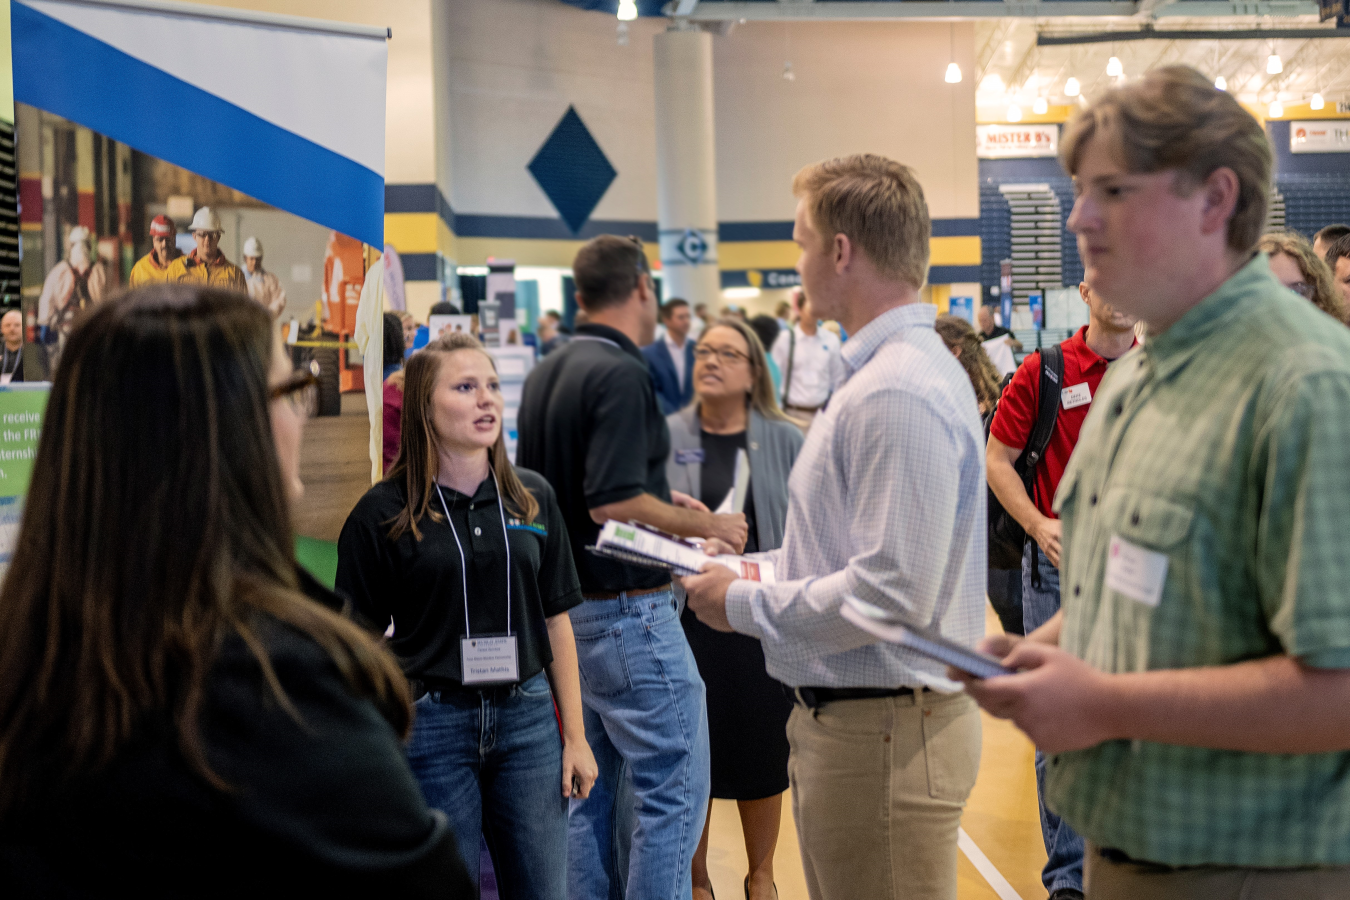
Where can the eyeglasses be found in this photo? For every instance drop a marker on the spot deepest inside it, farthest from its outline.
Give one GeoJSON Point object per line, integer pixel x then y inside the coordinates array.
{"type": "Point", "coordinates": [1303, 289]}
{"type": "Point", "coordinates": [725, 354]}
{"type": "Point", "coordinates": [301, 390]}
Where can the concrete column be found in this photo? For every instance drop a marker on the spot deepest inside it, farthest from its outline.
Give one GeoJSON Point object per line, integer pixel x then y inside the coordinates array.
{"type": "Point", "coordinates": [686, 166]}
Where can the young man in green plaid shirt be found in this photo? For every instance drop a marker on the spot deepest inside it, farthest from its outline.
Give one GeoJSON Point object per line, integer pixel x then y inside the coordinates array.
{"type": "Point", "coordinates": [1195, 688]}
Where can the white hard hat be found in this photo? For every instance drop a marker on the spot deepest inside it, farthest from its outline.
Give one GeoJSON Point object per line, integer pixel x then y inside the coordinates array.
{"type": "Point", "coordinates": [253, 247]}
{"type": "Point", "coordinates": [78, 235]}
{"type": "Point", "coordinates": [205, 220]}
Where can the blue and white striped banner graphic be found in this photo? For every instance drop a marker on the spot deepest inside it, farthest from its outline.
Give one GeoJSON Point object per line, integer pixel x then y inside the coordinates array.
{"type": "Point", "coordinates": [282, 109]}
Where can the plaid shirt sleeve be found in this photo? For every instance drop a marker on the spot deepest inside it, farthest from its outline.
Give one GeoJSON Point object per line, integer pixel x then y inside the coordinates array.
{"type": "Point", "coordinates": [1303, 567]}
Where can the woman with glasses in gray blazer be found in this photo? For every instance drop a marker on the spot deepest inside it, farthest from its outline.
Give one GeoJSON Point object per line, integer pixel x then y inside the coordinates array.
{"type": "Point", "coordinates": [734, 409]}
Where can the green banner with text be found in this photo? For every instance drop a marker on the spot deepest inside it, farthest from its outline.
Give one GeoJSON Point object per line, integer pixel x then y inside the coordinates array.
{"type": "Point", "coordinates": [21, 409]}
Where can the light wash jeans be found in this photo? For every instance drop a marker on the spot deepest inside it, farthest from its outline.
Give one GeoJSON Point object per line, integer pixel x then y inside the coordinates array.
{"type": "Point", "coordinates": [647, 723]}
{"type": "Point", "coordinates": [492, 762]}
{"type": "Point", "coordinates": [1063, 846]}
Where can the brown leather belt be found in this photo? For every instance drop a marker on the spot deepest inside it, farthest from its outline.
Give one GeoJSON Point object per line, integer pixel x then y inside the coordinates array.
{"type": "Point", "coordinates": [638, 593]}
{"type": "Point", "coordinates": [809, 409]}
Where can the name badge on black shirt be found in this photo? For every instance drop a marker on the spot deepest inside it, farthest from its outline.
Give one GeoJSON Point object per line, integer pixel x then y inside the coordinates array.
{"type": "Point", "coordinates": [686, 457]}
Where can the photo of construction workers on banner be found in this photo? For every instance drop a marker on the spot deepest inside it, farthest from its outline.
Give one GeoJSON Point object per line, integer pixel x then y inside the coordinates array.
{"type": "Point", "coordinates": [98, 217]}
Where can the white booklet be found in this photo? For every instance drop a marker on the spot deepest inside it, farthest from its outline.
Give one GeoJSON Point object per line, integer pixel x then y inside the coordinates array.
{"type": "Point", "coordinates": [642, 545]}
{"type": "Point", "coordinates": [924, 641]}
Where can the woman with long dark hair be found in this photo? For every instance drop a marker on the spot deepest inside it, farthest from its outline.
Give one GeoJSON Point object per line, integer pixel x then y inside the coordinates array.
{"type": "Point", "coordinates": [735, 410]}
{"type": "Point", "coordinates": [177, 717]}
{"type": "Point", "coordinates": [468, 557]}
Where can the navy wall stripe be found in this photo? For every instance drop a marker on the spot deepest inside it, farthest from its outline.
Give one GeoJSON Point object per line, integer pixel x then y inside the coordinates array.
{"type": "Point", "coordinates": [420, 266]}
{"type": "Point", "coordinates": [541, 228]}
{"type": "Point", "coordinates": [953, 274]}
{"type": "Point", "coordinates": [66, 72]}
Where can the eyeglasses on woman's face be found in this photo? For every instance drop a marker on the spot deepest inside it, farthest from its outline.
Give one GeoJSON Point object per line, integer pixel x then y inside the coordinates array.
{"type": "Point", "coordinates": [726, 355]}
{"type": "Point", "coordinates": [301, 390]}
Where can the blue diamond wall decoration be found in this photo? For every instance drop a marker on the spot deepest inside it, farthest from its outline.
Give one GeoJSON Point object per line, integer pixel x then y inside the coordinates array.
{"type": "Point", "coordinates": [572, 170]}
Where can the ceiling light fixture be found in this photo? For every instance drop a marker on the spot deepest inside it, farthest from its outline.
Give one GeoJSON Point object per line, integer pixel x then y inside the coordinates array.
{"type": "Point", "coordinates": [1317, 102]}
{"type": "Point", "coordinates": [1041, 106]}
{"type": "Point", "coordinates": [627, 10]}
{"type": "Point", "coordinates": [1113, 67]}
{"type": "Point", "coordinates": [1274, 65]}
{"type": "Point", "coordinates": [1276, 109]}
{"type": "Point", "coordinates": [1014, 113]}
{"type": "Point", "coordinates": [993, 84]}
{"type": "Point", "coordinates": [1221, 83]}
{"type": "Point", "coordinates": [1072, 88]}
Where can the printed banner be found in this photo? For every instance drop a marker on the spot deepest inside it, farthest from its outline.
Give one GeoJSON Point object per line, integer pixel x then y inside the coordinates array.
{"type": "Point", "coordinates": [1320, 136]}
{"type": "Point", "coordinates": [21, 409]}
{"type": "Point", "coordinates": [1013, 141]}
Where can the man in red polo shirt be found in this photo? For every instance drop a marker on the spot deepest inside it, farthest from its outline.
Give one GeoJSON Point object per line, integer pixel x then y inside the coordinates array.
{"type": "Point", "coordinates": [1108, 335]}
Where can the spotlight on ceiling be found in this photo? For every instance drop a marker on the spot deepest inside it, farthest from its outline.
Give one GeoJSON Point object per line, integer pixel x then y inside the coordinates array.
{"type": "Point", "coordinates": [1113, 67]}
{"type": "Point", "coordinates": [1317, 102]}
{"type": "Point", "coordinates": [953, 75]}
{"type": "Point", "coordinates": [1014, 113]}
{"type": "Point", "coordinates": [627, 10]}
{"type": "Point", "coordinates": [1274, 65]}
{"type": "Point", "coordinates": [1276, 109]}
{"type": "Point", "coordinates": [1041, 106]}
{"type": "Point", "coordinates": [1072, 88]}
{"type": "Point", "coordinates": [1221, 83]}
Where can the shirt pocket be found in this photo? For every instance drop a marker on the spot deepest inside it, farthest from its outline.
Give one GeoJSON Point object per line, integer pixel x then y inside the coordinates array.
{"type": "Point", "coordinates": [1139, 635]}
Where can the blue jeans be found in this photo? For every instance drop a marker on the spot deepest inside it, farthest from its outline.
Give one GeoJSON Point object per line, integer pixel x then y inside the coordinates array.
{"type": "Point", "coordinates": [647, 723]}
{"type": "Point", "coordinates": [1063, 846]}
{"type": "Point", "coordinates": [492, 762]}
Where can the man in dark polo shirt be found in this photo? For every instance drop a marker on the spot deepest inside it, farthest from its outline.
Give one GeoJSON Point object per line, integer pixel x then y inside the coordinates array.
{"type": "Point", "coordinates": [1107, 336]}
{"type": "Point", "coordinates": [589, 422]}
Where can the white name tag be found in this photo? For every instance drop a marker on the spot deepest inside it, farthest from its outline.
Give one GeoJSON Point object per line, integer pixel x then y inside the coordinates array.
{"type": "Point", "coordinates": [487, 660]}
{"type": "Point", "coordinates": [1078, 395]}
{"type": "Point", "coordinates": [1135, 572]}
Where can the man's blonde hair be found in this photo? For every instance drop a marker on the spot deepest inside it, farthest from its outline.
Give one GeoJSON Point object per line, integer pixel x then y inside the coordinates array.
{"type": "Point", "coordinates": [878, 204]}
{"type": "Point", "coordinates": [1175, 119]}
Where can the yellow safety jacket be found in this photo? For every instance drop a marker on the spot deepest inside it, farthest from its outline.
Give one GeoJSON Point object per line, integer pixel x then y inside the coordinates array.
{"type": "Point", "coordinates": [147, 271]}
{"type": "Point", "coordinates": [191, 270]}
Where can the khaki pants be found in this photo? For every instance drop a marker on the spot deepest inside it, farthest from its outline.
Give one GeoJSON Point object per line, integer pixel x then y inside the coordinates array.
{"type": "Point", "coordinates": [878, 787]}
{"type": "Point", "coordinates": [1106, 879]}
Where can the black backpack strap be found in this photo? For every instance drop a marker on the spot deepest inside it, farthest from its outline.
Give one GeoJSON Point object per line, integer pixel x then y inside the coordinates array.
{"type": "Point", "coordinates": [1052, 378]}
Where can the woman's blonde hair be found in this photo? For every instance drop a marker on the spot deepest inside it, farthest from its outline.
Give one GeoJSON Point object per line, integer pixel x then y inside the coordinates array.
{"type": "Point", "coordinates": [762, 394]}
{"type": "Point", "coordinates": [958, 334]}
{"type": "Point", "coordinates": [1316, 273]}
{"type": "Point", "coordinates": [418, 461]}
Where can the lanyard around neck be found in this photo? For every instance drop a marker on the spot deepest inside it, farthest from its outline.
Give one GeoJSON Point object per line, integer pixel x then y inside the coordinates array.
{"type": "Point", "coordinates": [463, 563]}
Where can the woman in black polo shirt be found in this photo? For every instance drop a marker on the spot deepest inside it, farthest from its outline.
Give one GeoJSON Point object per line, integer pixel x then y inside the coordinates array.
{"type": "Point", "coordinates": [468, 557]}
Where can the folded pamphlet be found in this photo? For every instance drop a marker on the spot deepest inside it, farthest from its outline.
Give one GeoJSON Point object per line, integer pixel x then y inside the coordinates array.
{"type": "Point", "coordinates": [642, 545]}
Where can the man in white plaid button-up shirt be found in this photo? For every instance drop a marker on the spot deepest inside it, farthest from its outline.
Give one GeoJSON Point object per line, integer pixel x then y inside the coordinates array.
{"type": "Point", "coordinates": [886, 503]}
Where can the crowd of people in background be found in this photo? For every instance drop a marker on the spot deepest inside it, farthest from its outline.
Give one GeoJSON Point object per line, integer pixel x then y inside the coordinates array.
{"type": "Point", "coordinates": [1154, 506]}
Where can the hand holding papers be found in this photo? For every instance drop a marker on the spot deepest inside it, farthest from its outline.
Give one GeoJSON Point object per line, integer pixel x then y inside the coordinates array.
{"type": "Point", "coordinates": [926, 642]}
{"type": "Point", "coordinates": [644, 546]}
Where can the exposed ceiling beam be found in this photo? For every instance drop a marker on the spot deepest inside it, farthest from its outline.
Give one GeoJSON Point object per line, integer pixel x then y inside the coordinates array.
{"type": "Point", "coordinates": [1171, 34]}
{"type": "Point", "coordinates": [881, 10]}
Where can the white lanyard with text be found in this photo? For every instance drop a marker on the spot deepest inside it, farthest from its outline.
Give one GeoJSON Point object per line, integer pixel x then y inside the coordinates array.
{"type": "Point", "coordinates": [486, 659]}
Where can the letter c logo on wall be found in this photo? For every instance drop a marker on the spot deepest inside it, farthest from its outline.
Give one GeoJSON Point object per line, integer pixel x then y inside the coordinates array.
{"type": "Point", "coordinates": [692, 246]}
